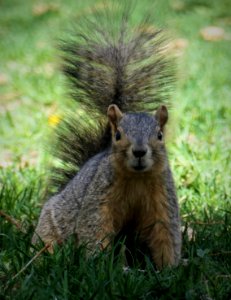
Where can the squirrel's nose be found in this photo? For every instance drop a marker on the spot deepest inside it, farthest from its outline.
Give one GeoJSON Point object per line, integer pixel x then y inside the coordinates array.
{"type": "Point", "coordinates": [139, 152]}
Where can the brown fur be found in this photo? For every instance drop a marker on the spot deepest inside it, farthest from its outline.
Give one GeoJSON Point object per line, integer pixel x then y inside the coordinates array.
{"type": "Point", "coordinates": [144, 201]}
{"type": "Point", "coordinates": [138, 198]}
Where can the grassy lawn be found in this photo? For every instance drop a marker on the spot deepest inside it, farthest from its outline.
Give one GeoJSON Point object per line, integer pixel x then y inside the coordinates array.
{"type": "Point", "coordinates": [33, 94]}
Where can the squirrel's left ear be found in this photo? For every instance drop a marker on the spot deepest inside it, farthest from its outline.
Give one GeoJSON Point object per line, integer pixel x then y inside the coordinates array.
{"type": "Point", "coordinates": [114, 114]}
{"type": "Point", "coordinates": [162, 115]}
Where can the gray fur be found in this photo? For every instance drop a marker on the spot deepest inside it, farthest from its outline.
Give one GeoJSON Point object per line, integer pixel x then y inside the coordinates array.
{"type": "Point", "coordinates": [139, 126]}
{"type": "Point", "coordinates": [174, 215]}
{"type": "Point", "coordinates": [76, 209]}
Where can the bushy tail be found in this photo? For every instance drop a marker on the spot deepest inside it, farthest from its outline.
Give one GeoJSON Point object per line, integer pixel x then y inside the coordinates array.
{"type": "Point", "coordinates": [107, 63]}
{"type": "Point", "coordinates": [124, 66]}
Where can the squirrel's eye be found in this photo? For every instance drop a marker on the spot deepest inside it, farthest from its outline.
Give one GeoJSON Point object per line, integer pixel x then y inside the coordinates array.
{"type": "Point", "coordinates": [160, 135]}
{"type": "Point", "coordinates": [117, 135]}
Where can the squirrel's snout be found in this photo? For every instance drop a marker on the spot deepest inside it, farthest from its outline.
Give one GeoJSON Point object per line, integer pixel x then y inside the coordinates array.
{"type": "Point", "coordinates": [139, 152]}
{"type": "Point", "coordinates": [139, 158]}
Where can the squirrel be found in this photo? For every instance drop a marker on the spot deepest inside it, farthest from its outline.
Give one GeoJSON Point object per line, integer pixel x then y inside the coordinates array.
{"type": "Point", "coordinates": [115, 171]}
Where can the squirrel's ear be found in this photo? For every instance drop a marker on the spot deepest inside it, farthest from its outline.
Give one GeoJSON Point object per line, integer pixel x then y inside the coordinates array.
{"type": "Point", "coordinates": [162, 115]}
{"type": "Point", "coordinates": [114, 114]}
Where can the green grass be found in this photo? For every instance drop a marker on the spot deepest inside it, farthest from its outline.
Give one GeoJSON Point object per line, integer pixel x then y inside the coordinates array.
{"type": "Point", "coordinates": [199, 148]}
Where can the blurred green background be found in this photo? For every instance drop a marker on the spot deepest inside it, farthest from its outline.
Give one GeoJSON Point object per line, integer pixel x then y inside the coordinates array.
{"type": "Point", "coordinates": [33, 95]}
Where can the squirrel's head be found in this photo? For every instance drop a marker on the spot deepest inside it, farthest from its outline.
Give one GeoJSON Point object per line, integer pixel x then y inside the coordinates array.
{"type": "Point", "coordinates": [137, 139]}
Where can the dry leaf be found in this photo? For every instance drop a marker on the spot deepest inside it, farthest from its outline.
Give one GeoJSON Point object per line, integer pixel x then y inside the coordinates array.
{"type": "Point", "coordinates": [49, 69]}
{"type": "Point", "coordinates": [178, 5]}
{"type": "Point", "coordinates": [51, 110]}
{"type": "Point", "coordinates": [6, 159]}
{"type": "Point", "coordinates": [8, 97]}
{"type": "Point", "coordinates": [41, 45]}
{"type": "Point", "coordinates": [212, 33]}
{"type": "Point", "coordinates": [31, 159]}
{"type": "Point", "coordinates": [225, 21]}
{"type": "Point", "coordinates": [177, 46]}
{"type": "Point", "coordinates": [42, 9]}
{"type": "Point", "coordinates": [5, 164]}
{"type": "Point", "coordinates": [180, 43]}
{"type": "Point", "coordinates": [3, 79]}
{"type": "Point", "coordinates": [192, 139]}
{"type": "Point", "coordinates": [19, 67]}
